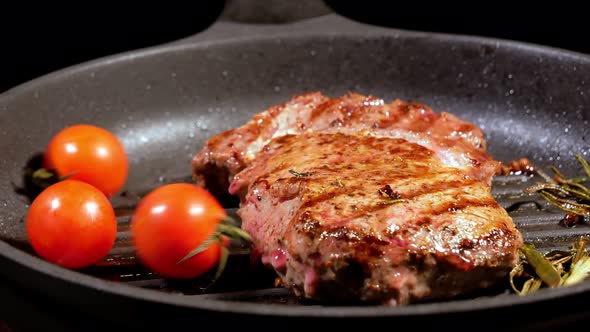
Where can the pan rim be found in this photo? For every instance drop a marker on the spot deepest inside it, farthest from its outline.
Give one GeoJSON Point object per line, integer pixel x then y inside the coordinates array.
{"type": "Point", "coordinates": [79, 279]}
{"type": "Point", "coordinates": [82, 280]}
{"type": "Point", "coordinates": [266, 34]}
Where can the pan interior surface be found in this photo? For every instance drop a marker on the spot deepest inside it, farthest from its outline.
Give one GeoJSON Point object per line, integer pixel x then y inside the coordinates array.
{"type": "Point", "coordinates": [164, 103]}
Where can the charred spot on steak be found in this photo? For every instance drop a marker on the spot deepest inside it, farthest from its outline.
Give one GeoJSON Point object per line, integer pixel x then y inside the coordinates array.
{"type": "Point", "coordinates": [388, 192]}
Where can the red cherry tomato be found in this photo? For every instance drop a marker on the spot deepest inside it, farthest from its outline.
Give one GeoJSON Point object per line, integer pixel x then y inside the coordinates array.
{"type": "Point", "coordinates": [89, 154]}
{"type": "Point", "coordinates": [172, 221]}
{"type": "Point", "coordinates": [71, 224]}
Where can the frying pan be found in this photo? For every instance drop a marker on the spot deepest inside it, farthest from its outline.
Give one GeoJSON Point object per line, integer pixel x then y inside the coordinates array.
{"type": "Point", "coordinates": [165, 101]}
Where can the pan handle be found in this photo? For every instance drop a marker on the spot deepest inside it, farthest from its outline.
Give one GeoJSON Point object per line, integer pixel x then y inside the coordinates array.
{"type": "Point", "coordinates": [246, 19]}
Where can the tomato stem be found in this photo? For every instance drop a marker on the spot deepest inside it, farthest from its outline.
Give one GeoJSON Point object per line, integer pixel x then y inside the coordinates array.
{"type": "Point", "coordinates": [43, 174]}
{"type": "Point", "coordinates": [44, 177]}
{"type": "Point", "coordinates": [226, 227]}
{"type": "Point", "coordinates": [201, 248]}
{"type": "Point", "coordinates": [233, 232]}
{"type": "Point", "coordinates": [222, 264]}
{"type": "Point", "coordinates": [228, 220]}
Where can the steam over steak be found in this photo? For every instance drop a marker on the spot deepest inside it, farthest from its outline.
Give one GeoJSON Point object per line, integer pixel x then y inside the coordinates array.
{"type": "Point", "coordinates": [369, 214]}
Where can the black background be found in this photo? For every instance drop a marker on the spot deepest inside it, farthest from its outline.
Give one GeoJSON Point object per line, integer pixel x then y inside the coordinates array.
{"type": "Point", "coordinates": [39, 38]}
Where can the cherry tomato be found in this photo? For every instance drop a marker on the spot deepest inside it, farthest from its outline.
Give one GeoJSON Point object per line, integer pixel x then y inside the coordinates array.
{"type": "Point", "coordinates": [172, 221]}
{"type": "Point", "coordinates": [71, 224]}
{"type": "Point", "coordinates": [89, 154]}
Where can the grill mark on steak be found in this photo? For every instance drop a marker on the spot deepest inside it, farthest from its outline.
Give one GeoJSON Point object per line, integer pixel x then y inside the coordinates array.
{"type": "Point", "coordinates": [313, 228]}
{"type": "Point", "coordinates": [335, 191]}
{"type": "Point", "coordinates": [451, 207]}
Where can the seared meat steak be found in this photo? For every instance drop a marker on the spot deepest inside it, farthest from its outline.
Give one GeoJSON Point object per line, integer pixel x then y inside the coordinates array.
{"type": "Point", "coordinates": [357, 200]}
{"type": "Point", "coordinates": [457, 143]}
{"type": "Point", "coordinates": [373, 219]}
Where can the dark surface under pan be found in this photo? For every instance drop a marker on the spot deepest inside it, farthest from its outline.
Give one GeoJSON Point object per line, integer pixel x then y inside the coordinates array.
{"type": "Point", "coordinates": [164, 102]}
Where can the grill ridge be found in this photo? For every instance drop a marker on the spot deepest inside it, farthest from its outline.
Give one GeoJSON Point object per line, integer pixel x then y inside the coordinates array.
{"type": "Point", "coordinates": [538, 220]}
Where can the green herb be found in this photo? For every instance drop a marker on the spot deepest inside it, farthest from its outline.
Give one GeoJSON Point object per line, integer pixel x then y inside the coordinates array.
{"type": "Point", "coordinates": [543, 268]}
{"type": "Point", "coordinates": [580, 265]}
{"type": "Point", "coordinates": [300, 175]}
{"type": "Point", "coordinates": [392, 201]}
{"type": "Point", "coordinates": [556, 268]}
{"type": "Point", "coordinates": [569, 195]}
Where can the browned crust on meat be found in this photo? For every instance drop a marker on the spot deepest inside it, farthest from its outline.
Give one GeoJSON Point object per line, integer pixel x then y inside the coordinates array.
{"type": "Point", "coordinates": [456, 142]}
{"type": "Point", "coordinates": [336, 222]}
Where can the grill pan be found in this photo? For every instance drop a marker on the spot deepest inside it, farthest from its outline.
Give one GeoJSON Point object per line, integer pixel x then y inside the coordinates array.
{"type": "Point", "coordinates": [164, 102]}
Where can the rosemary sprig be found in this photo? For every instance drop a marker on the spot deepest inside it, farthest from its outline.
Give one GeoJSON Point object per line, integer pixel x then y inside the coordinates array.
{"type": "Point", "coordinates": [300, 175]}
{"type": "Point", "coordinates": [557, 268]}
{"type": "Point", "coordinates": [392, 201]}
{"type": "Point", "coordinates": [568, 194]}
{"type": "Point", "coordinates": [580, 265]}
{"type": "Point", "coordinates": [542, 267]}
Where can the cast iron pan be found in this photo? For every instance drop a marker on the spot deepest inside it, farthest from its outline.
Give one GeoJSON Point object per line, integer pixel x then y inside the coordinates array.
{"type": "Point", "coordinates": [164, 102]}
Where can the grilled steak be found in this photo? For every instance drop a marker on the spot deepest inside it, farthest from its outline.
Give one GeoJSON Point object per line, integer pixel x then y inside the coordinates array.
{"type": "Point", "coordinates": [457, 143]}
{"type": "Point", "coordinates": [354, 199]}
{"type": "Point", "coordinates": [351, 217]}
